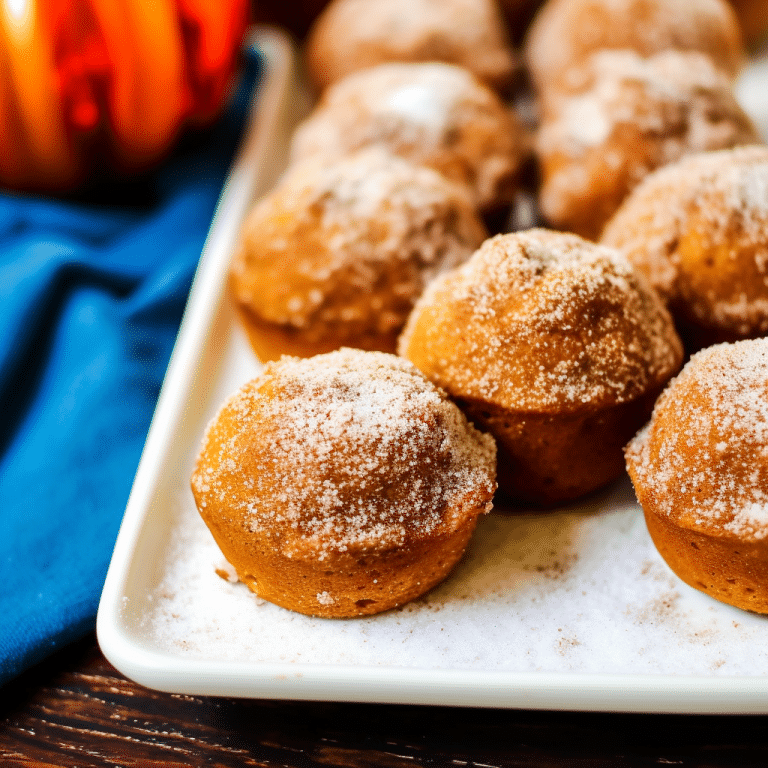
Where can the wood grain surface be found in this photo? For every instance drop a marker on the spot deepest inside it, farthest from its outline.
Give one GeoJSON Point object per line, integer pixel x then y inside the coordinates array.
{"type": "Point", "coordinates": [77, 710]}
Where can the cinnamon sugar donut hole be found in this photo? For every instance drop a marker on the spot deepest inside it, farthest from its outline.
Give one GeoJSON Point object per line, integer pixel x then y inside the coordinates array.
{"type": "Point", "coordinates": [700, 471]}
{"type": "Point", "coordinates": [337, 254]}
{"type": "Point", "coordinates": [621, 116]}
{"type": "Point", "coordinates": [698, 229]}
{"type": "Point", "coordinates": [554, 345]}
{"type": "Point", "coordinates": [565, 33]}
{"type": "Point", "coordinates": [354, 34]}
{"type": "Point", "coordinates": [438, 115]}
{"type": "Point", "coordinates": [342, 485]}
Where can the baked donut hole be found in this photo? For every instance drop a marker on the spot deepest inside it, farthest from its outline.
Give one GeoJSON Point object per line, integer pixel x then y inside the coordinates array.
{"type": "Point", "coordinates": [698, 230]}
{"type": "Point", "coordinates": [700, 472]}
{"type": "Point", "coordinates": [554, 345]}
{"type": "Point", "coordinates": [437, 115]}
{"type": "Point", "coordinates": [565, 33]}
{"type": "Point", "coordinates": [617, 118]}
{"type": "Point", "coordinates": [337, 254]}
{"type": "Point", "coordinates": [354, 34]}
{"type": "Point", "coordinates": [342, 485]}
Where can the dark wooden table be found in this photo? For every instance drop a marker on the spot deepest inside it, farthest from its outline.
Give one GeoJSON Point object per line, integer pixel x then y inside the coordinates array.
{"type": "Point", "coordinates": [77, 710]}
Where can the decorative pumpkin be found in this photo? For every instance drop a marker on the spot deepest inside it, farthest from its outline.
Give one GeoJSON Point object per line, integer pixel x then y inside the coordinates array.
{"type": "Point", "coordinates": [93, 84]}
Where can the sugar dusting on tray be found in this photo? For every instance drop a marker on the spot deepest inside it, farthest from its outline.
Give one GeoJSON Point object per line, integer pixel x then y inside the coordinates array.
{"type": "Point", "coordinates": [581, 590]}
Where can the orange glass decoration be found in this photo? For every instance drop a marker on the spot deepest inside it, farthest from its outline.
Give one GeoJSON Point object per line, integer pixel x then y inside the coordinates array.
{"type": "Point", "coordinates": [93, 84]}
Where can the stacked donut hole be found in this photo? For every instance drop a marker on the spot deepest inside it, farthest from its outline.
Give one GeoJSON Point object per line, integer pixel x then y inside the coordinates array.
{"type": "Point", "coordinates": [482, 36]}
{"type": "Point", "coordinates": [344, 482]}
{"type": "Point", "coordinates": [625, 87]}
{"type": "Point", "coordinates": [337, 253]}
{"type": "Point", "coordinates": [351, 35]}
{"type": "Point", "coordinates": [618, 117]}
{"type": "Point", "coordinates": [392, 179]}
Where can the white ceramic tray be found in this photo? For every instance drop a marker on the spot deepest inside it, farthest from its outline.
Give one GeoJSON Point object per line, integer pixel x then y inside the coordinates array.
{"type": "Point", "coordinates": [563, 610]}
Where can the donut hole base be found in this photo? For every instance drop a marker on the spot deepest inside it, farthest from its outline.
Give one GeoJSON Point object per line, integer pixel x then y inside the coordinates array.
{"type": "Point", "coordinates": [343, 584]}
{"type": "Point", "coordinates": [546, 459]}
{"type": "Point", "coordinates": [271, 341]}
{"type": "Point", "coordinates": [731, 571]}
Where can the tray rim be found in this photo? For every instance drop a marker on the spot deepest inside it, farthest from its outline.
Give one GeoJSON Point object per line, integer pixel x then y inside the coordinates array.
{"type": "Point", "coordinates": [685, 694]}
{"type": "Point", "coordinates": [618, 693]}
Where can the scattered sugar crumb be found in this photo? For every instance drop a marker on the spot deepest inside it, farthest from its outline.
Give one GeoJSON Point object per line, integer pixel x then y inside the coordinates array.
{"type": "Point", "coordinates": [616, 608]}
{"type": "Point", "coordinates": [226, 571]}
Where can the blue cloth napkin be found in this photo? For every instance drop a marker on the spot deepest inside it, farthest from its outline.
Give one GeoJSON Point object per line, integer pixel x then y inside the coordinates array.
{"type": "Point", "coordinates": [91, 295]}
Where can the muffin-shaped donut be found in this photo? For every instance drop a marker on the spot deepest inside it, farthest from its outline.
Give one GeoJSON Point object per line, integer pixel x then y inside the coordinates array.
{"type": "Point", "coordinates": [438, 115]}
{"type": "Point", "coordinates": [344, 484]}
{"type": "Point", "coordinates": [557, 347]}
{"type": "Point", "coordinates": [565, 32]}
{"type": "Point", "coordinates": [354, 34]}
{"type": "Point", "coordinates": [700, 471]}
{"type": "Point", "coordinates": [337, 254]}
{"type": "Point", "coordinates": [621, 117]}
{"type": "Point", "coordinates": [698, 229]}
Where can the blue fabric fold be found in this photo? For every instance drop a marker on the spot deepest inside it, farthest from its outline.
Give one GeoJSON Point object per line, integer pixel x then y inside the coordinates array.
{"type": "Point", "coordinates": [91, 296]}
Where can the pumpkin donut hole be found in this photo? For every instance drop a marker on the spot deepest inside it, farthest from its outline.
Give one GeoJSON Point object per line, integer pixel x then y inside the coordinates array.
{"type": "Point", "coordinates": [700, 472]}
{"type": "Point", "coordinates": [557, 347]}
{"type": "Point", "coordinates": [342, 485]}
{"type": "Point", "coordinates": [697, 230]}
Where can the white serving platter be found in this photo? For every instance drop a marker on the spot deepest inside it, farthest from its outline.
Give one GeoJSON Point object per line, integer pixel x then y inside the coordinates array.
{"type": "Point", "coordinates": [572, 609]}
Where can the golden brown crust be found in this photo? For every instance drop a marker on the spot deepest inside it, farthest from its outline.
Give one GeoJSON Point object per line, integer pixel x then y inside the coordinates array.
{"type": "Point", "coordinates": [619, 117]}
{"type": "Point", "coordinates": [565, 32]}
{"type": "Point", "coordinates": [700, 471]}
{"type": "Point", "coordinates": [736, 574]}
{"type": "Point", "coordinates": [542, 336]}
{"type": "Point", "coordinates": [354, 34]}
{"type": "Point", "coordinates": [546, 459]}
{"type": "Point", "coordinates": [437, 115]}
{"type": "Point", "coordinates": [336, 255]}
{"type": "Point", "coordinates": [344, 484]}
{"type": "Point", "coordinates": [696, 229]}
{"type": "Point", "coordinates": [350, 585]}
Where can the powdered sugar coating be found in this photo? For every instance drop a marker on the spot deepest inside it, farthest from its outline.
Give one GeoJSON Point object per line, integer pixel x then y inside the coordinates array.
{"type": "Point", "coordinates": [543, 321]}
{"type": "Point", "coordinates": [565, 32]}
{"type": "Point", "coordinates": [703, 459]}
{"type": "Point", "coordinates": [434, 114]}
{"type": "Point", "coordinates": [353, 34]}
{"type": "Point", "coordinates": [618, 117]}
{"type": "Point", "coordinates": [350, 451]}
{"type": "Point", "coordinates": [698, 230]}
{"type": "Point", "coordinates": [342, 250]}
